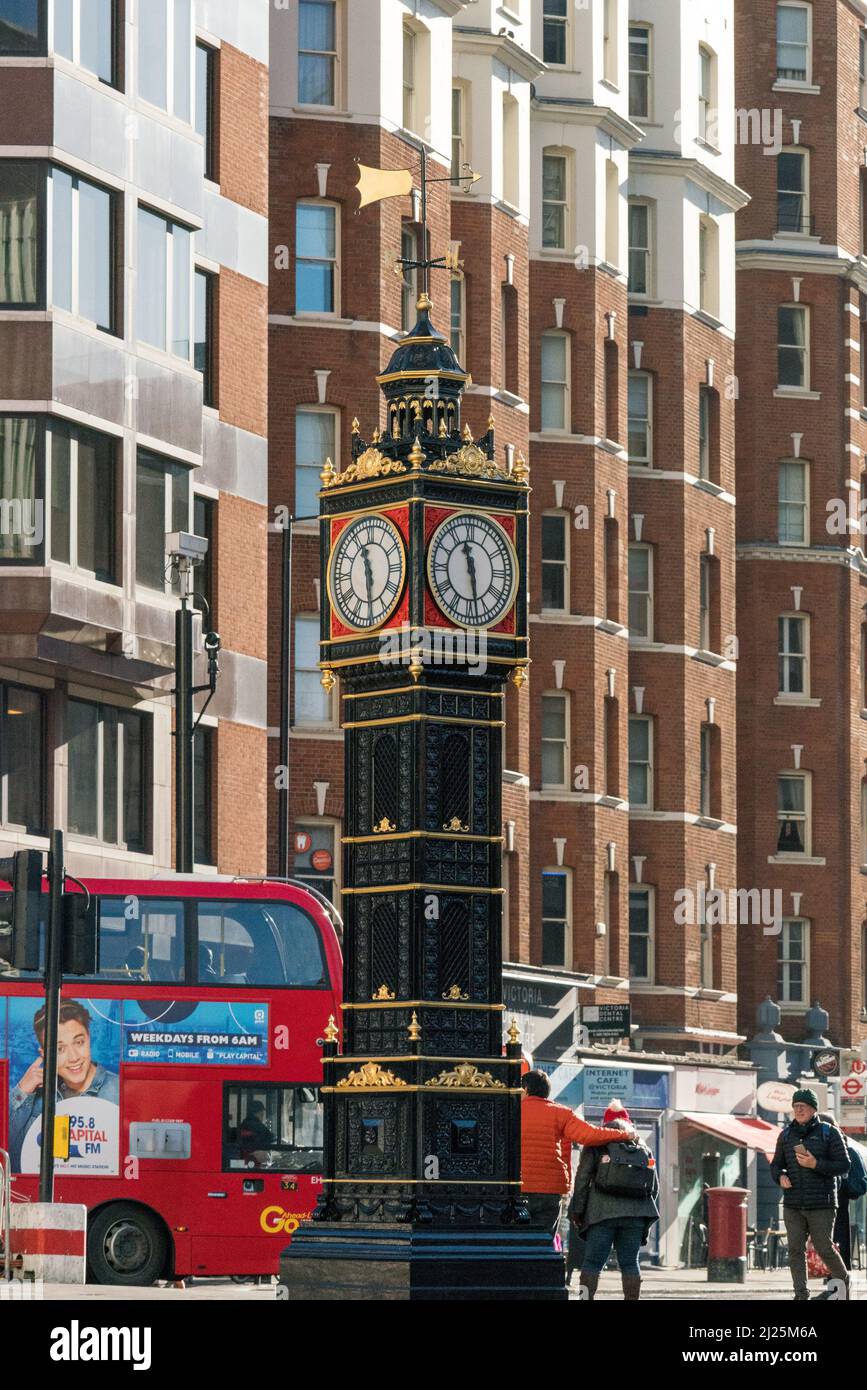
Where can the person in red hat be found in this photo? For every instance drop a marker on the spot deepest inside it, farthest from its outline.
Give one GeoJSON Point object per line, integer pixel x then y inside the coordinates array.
{"type": "Point", "coordinates": [615, 1203]}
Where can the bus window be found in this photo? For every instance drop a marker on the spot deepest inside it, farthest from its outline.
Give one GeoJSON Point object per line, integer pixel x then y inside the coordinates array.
{"type": "Point", "coordinates": [256, 943]}
{"type": "Point", "coordinates": [276, 1127]}
{"type": "Point", "coordinates": [141, 939]}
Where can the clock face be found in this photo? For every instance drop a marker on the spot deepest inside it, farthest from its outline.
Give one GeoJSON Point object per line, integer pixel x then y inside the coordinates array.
{"type": "Point", "coordinates": [472, 569]}
{"type": "Point", "coordinates": [366, 572]}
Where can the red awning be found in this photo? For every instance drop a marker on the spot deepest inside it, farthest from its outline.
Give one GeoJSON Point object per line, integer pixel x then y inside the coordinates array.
{"type": "Point", "coordinates": [742, 1130]}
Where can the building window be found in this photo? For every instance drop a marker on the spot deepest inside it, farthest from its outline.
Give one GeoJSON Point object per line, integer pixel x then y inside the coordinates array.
{"type": "Point", "coordinates": [20, 226]}
{"type": "Point", "coordinates": [640, 438]}
{"type": "Point", "coordinates": [554, 22]}
{"type": "Point", "coordinates": [84, 32]}
{"type": "Point", "coordinates": [165, 55]}
{"type": "Point", "coordinates": [609, 42]}
{"type": "Point", "coordinates": [204, 785]}
{"type": "Point", "coordinates": [556, 918]}
{"type": "Point", "coordinates": [793, 961]}
{"type": "Point", "coordinates": [204, 345]}
{"type": "Point", "coordinates": [862, 69]}
{"type": "Point", "coordinates": [641, 934]}
{"type": "Point", "coordinates": [205, 525]}
{"type": "Point", "coordinates": [793, 503]}
{"type": "Point", "coordinates": [459, 156]}
{"type": "Point", "coordinates": [23, 522]}
{"type": "Point", "coordinates": [409, 255]}
{"type": "Point", "coordinates": [409, 57]}
{"type": "Point", "coordinates": [612, 213]}
{"type": "Point", "coordinates": [108, 777]}
{"type": "Point", "coordinates": [705, 947]}
{"type": "Point", "coordinates": [639, 248]}
{"type": "Point", "coordinates": [314, 862]}
{"type": "Point", "coordinates": [705, 770]}
{"type": "Point", "coordinates": [793, 353]}
{"type": "Point", "coordinates": [704, 431]}
{"type": "Point", "coordinates": [317, 53]}
{"type": "Point", "coordinates": [316, 243]}
{"type": "Point", "coordinates": [315, 441]}
{"type": "Point", "coordinates": [457, 316]}
{"type": "Point", "coordinates": [23, 799]}
{"type": "Point", "coordinates": [708, 267]}
{"type": "Point", "coordinates": [793, 652]}
{"type": "Point", "coordinates": [794, 37]}
{"type": "Point", "coordinates": [640, 761]}
{"type": "Point", "coordinates": [639, 72]}
{"type": "Point", "coordinates": [22, 28]}
{"type": "Point", "coordinates": [162, 504]}
{"type": "Point", "coordinates": [555, 381]}
{"type": "Point", "coordinates": [705, 596]}
{"type": "Point", "coordinates": [313, 705]}
{"type": "Point", "coordinates": [793, 191]}
{"type": "Point", "coordinates": [206, 106]}
{"type": "Point", "coordinates": [793, 814]}
{"type": "Point", "coordinates": [706, 96]}
{"type": "Point", "coordinates": [554, 205]}
{"type": "Point", "coordinates": [555, 562]}
{"type": "Point", "coordinates": [164, 292]}
{"type": "Point", "coordinates": [555, 740]}
{"type": "Point", "coordinates": [83, 469]}
{"type": "Point", "coordinates": [83, 248]}
{"type": "Point", "coordinates": [511, 171]}
{"type": "Point", "coordinates": [641, 592]}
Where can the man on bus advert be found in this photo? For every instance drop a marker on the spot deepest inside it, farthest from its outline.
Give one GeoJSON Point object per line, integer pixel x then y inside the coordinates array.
{"type": "Point", "coordinates": [87, 1091]}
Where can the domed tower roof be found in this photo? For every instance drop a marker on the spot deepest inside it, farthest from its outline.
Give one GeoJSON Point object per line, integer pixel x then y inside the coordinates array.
{"type": "Point", "coordinates": [423, 353]}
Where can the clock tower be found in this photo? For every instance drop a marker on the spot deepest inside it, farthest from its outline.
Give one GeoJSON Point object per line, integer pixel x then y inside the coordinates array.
{"type": "Point", "coordinates": [424, 620]}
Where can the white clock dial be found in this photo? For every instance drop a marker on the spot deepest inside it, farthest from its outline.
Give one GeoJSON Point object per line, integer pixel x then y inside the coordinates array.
{"type": "Point", "coordinates": [366, 572]}
{"type": "Point", "coordinates": [472, 569]}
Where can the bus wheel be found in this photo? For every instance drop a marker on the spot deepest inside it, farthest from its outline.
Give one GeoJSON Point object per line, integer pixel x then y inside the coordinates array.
{"type": "Point", "coordinates": [125, 1245]}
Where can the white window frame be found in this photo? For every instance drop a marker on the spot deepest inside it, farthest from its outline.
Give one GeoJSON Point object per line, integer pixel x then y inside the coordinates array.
{"type": "Point", "coordinates": [75, 433]}
{"type": "Point", "coordinates": [705, 602]}
{"type": "Point", "coordinates": [561, 21]}
{"type": "Point", "coordinates": [458, 331]}
{"type": "Point", "coordinates": [804, 154]}
{"type": "Point", "coordinates": [310, 409]}
{"type": "Point", "coordinates": [333, 54]}
{"type": "Point", "coordinates": [785, 657]}
{"type": "Point", "coordinates": [862, 69]}
{"type": "Point", "coordinates": [564, 564]}
{"type": "Point", "coordinates": [647, 115]}
{"type": "Point", "coordinates": [409, 65]}
{"type": "Point", "coordinates": [646, 251]}
{"type": "Point", "coordinates": [612, 213]}
{"type": "Point", "coordinates": [564, 204]}
{"type": "Point", "coordinates": [647, 720]}
{"type": "Point", "coordinates": [562, 696]}
{"type": "Point", "coordinates": [151, 457]}
{"type": "Point", "coordinates": [76, 43]}
{"type": "Point", "coordinates": [807, 79]}
{"type": "Point", "coordinates": [793, 347]}
{"type": "Point", "coordinates": [784, 959]}
{"type": "Point", "coordinates": [171, 226]}
{"type": "Point", "coordinates": [169, 108]}
{"type": "Point", "coordinates": [635, 461]}
{"type": "Point", "coordinates": [566, 427]}
{"type": "Point", "coordinates": [705, 947]}
{"type": "Point", "coordinates": [805, 817]}
{"type": "Point", "coordinates": [316, 260]}
{"type": "Point", "coordinates": [648, 891]}
{"type": "Point", "coordinates": [708, 267]}
{"type": "Point", "coordinates": [646, 594]}
{"type": "Point", "coordinates": [560, 871]}
{"type": "Point", "coordinates": [707, 98]}
{"type": "Point", "coordinates": [705, 427]}
{"type": "Point", "coordinates": [705, 770]}
{"type": "Point", "coordinates": [330, 697]}
{"type": "Point", "coordinates": [146, 797]}
{"type": "Point", "coordinates": [510, 170]}
{"type": "Point", "coordinates": [804, 466]}
{"type": "Point", "coordinates": [74, 249]}
{"type": "Point", "coordinates": [327, 823]}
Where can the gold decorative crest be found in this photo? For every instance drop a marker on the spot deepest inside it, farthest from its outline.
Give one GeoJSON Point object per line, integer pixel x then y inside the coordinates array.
{"type": "Point", "coordinates": [471, 462]}
{"type": "Point", "coordinates": [457, 825]}
{"type": "Point", "coordinates": [466, 1076]}
{"type": "Point", "coordinates": [382, 993]}
{"type": "Point", "coordinates": [370, 1074]}
{"type": "Point", "coordinates": [384, 827]}
{"type": "Point", "coordinates": [370, 464]}
{"type": "Point", "coordinates": [455, 993]}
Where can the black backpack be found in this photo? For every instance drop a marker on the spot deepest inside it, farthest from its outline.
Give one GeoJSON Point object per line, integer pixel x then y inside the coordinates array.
{"type": "Point", "coordinates": [625, 1170]}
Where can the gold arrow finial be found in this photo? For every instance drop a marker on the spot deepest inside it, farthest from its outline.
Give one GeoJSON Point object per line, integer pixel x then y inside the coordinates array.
{"type": "Point", "coordinates": [328, 474]}
{"type": "Point", "coordinates": [330, 1033]}
{"type": "Point", "coordinates": [414, 1028]}
{"type": "Point", "coordinates": [514, 1033]}
{"type": "Point", "coordinates": [417, 454]}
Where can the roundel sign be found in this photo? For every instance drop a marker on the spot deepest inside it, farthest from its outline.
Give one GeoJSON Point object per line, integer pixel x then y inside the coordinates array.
{"type": "Point", "coordinates": [321, 860]}
{"type": "Point", "coordinates": [303, 841]}
{"type": "Point", "coordinates": [826, 1062]}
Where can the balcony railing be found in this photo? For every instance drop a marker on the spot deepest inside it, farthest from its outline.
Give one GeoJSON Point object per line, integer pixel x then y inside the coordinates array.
{"type": "Point", "coordinates": [795, 220]}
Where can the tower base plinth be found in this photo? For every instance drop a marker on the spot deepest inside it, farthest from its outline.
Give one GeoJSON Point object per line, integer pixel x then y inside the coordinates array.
{"type": "Point", "coordinates": [391, 1261]}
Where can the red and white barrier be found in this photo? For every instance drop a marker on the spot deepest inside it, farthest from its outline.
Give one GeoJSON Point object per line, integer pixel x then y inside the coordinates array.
{"type": "Point", "coordinates": [51, 1239]}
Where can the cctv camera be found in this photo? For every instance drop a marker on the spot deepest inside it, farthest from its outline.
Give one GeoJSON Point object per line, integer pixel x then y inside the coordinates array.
{"type": "Point", "coordinates": [212, 641]}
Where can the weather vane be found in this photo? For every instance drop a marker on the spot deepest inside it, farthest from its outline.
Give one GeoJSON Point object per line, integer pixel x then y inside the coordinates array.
{"type": "Point", "coordinates": [376, 184]}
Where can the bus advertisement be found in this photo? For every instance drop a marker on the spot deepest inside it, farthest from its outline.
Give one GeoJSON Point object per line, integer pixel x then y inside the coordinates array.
{"type": "Point", "coordinates": [189, 1068]}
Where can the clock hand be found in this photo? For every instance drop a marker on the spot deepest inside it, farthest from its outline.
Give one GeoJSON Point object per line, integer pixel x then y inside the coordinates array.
{"type": "Point", "coordinates": [471, 570]}
{"type": "Point", "coordinates": [368, 578]}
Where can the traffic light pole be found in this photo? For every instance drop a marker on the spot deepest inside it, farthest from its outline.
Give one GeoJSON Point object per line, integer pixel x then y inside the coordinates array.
{"type": "Point", "coordinates": [184, 738]}
{"type": "Point", "coordinates": [53, 980]}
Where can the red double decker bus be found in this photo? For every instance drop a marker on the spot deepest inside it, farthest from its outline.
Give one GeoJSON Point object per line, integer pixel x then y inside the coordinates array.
{"type": "Point", "coordinates": [190, 1069]}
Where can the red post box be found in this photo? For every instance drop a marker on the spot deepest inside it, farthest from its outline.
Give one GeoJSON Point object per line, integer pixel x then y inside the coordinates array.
{"type": "Point", "coordinates": [727, 1235]}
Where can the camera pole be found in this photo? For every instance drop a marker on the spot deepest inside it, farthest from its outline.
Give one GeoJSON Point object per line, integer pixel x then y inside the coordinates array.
{"type": "Point", "coordinates": [53, 980]}
{"type": "Point", "coordinates": [186, 552]}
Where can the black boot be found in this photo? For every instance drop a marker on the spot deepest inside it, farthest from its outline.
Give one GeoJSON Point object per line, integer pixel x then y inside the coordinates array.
{"type": "Point", "coordinates": [631, 1287]}
{"type": "Point", "coordinates": [589, 1284]}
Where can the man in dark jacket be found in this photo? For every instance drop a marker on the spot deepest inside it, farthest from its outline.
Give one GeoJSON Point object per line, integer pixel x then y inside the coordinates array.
{"type": "Point", "coordinates": [810, 1158]}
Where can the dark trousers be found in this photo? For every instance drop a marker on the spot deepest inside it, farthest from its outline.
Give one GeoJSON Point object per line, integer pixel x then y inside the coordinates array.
{"type": "Point", "coordinates": [843, 1233]}
{"type": "Point", "coordinates": [818, 1223]}
{"type": "Point", "coordinates": [544, 1210]}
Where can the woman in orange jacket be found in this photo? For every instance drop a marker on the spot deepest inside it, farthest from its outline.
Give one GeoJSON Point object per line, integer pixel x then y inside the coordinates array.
{"type": "Point", "coordinates": [548, 1131]}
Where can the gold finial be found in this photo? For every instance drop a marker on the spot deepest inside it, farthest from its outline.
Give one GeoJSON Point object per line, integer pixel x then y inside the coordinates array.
{"type": "Point", "coordinates": [490, 422]}
{"type": "Point", "coordinates": [328, 474]}
{"type": "Point", "coordinates": [382, 993]}
{"type": "Point", "coordinates": [328, 680]}
{"type": "Point", "coordinates": [468, 434]}
{"type": "Point", "coordinates": [519, 677]}
{"type": "Point", "coordinates": [520, 472]}
{"type": "Point", "coordinates": [415, 666]}
{"type": "Point", "coordinates": [424, 301]}
{"type": "Point", "coordinates": [442, 431]}
{"type": "Point", "coordinates": [376, 436]}
{"type": "Point", "coordinates": [330, 1034]}
{"type": "Point", "coordinates": [414, 1028]}
{"type": "Point", "coordinates": [514, 1033]}
{"type": "Point", "coordinates": [356, 428]}
{"type": "Point", "coordinates": [417, 454]}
